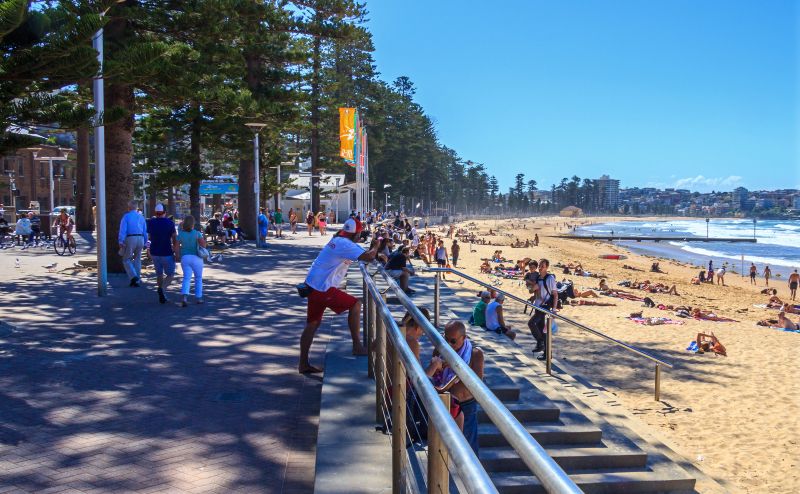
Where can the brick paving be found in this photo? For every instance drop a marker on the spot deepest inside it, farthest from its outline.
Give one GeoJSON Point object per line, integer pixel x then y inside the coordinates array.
{"type": "Point", "coordinates": [122, 394]}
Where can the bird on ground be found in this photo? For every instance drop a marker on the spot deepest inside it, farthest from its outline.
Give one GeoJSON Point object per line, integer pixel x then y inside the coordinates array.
{"type": "Point", "coordinates": [16, 262]}
{"type": "Point", "coordinates": [51, 267]}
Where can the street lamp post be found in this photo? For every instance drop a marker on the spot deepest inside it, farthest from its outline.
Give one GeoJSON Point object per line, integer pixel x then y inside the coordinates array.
{"type": "Point", "coordinates": [145, 176]}
{"type": "Point", "coordinates": [754, 228]}
{"type": "Point", "coordinates": [386, 198]}
{"type": "Point", "coordinates": [707, 220]}
{"type": "Point", "coordinates": [256, 128]}
{"type": "Point", "coordinates": [371, 198]}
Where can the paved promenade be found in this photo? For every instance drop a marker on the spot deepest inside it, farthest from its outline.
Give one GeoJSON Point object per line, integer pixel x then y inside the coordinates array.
{"type": "Point", "coordinates": [122, 394]}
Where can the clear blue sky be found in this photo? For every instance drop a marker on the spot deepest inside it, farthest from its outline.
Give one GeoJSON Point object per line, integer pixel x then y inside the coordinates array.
{"type": "Point", "coordinates": [690, 93]}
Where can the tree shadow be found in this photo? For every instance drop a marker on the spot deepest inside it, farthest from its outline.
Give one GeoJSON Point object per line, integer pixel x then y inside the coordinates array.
{"type": "Point", "coordinates": [121, 393]}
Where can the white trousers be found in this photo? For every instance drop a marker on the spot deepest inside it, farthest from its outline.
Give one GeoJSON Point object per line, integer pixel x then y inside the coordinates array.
{"type": "Point", "coordinates": [192, 264]}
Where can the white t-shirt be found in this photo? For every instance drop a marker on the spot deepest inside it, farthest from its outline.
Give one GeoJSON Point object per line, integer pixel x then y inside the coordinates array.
{"type": "Point", "coordinates": [492, 321]}
{"type": "Point", "coordinates": [330, 266]}
{"type": "Point", "coordinates": [547, 287]}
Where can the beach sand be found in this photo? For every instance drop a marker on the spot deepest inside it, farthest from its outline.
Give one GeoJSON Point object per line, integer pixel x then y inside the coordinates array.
{"type": "Point", "coordinates": [736, 417]}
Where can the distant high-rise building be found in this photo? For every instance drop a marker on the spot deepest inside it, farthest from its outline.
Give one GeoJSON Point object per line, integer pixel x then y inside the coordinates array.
{"type": "Point", "coordinates": [606, 193]}
{"type": "Point", "coordinates": [741, 199]}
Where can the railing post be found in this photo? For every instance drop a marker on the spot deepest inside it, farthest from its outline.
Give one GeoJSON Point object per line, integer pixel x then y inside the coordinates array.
{"type": "Point", "coordinates": [436, 288]}
{"type": "Point", "coordinates": [658, 382]}
{"type": "Point", "coordinates": [398, 423]}
{"type": "Point", "coordinates": [548, 351]}
{"type": "Point", "coordinates": [370, 318]}
{"type": "Point", "coordinates": [438, 473]}
{"type": "Point", "coordinates": [364, 295]}
{"type": "Point", "coordinates": [380, 368]}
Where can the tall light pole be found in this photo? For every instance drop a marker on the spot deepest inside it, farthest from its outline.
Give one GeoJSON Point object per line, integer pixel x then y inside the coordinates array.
{"type": "Point", "coordinates": [371, 199]}
{"type": "Point", "coordinates": [145, 176]}
{"type": "Point", "coordinates": [386, 198]}
{"type": "Point", "coordinates": [256, 128]}
{"type": "Point", "coordinates": [707, 220]}
{"type": "Point", "coordinates": [754, 228]}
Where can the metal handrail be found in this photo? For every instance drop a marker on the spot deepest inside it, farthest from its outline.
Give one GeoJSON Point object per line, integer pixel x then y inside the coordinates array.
{"type": "Point", "coordinates": [553, 315]}
{"type": "Point", "coordinates": [472, 472]}
{"type": "Point", "coordinates": [549, 473]}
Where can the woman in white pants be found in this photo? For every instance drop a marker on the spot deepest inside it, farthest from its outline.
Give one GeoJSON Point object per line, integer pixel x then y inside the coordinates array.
{"type": "Point", "coordinates": [190, 240]}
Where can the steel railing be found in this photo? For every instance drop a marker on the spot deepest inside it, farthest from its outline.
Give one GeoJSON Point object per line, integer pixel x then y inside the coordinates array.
{"type": "Point", "coordinates": [549, 316]}
{"type": "Point", "coordinates": [448, 443]}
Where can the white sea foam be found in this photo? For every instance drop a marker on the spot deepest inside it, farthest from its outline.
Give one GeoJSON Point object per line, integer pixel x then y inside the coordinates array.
{"type": "Point", "coordinates": [748, 258]}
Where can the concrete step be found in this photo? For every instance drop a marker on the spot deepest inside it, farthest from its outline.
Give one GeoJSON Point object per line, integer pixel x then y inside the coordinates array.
{"type": "Point", "coordinates": [587, 434]}
{"type": "Point", "coordinates": [527, 412]}
{"type": "Point", "coordinates": [614, 482]}
{"type": "Point", "coordinates": [504, 393]}
{"type": "Point", "coordinates": [569, 457]}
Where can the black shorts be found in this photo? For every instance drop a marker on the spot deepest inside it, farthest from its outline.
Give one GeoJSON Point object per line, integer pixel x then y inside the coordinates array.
{"type": "Point", "coordinates": [441, 262]}
{"type": "Point", "coordinates": [752, 276]}
{"type": "Point", "coordinates": [793, 285]}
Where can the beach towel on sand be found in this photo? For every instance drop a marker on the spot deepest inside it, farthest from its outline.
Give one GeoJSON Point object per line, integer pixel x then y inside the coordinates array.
{"type": "Point", "coordinates": [692, 347]}
{"type": "Point", "coordinates": [655, 321]}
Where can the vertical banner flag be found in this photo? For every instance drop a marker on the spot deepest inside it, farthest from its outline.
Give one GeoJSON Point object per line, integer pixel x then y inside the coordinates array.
{"type": "Point", "coordinates": [347, 133]}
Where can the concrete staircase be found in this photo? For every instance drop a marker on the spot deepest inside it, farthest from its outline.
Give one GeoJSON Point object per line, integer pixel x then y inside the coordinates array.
{"type": "Point", "coordinates": [598, 456]}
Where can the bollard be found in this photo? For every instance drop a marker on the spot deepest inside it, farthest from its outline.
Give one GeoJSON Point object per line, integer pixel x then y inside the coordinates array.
{"type": "Point", "coordinates": [436, 288]}
{"type": "Point", "coordinates": [658, 382]}
{"type": "Point", "coordinates": [549, 349]}
{"type": "Point", "coordinates": [380, 369]}
{"type": "Point", "coordinates": [398, 424]}
{"type": "Point", "coordinates": [438, 473]}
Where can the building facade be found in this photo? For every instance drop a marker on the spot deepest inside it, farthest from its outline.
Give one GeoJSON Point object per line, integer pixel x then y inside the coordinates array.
{"type": "Point", "coordinates": [25, 177]}
{"type": "Point", "coordinates": [607, 193]}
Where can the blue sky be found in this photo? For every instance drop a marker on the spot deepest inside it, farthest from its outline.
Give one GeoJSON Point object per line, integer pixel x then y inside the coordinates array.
{"type": "Point", "coordinates": [695, 94]}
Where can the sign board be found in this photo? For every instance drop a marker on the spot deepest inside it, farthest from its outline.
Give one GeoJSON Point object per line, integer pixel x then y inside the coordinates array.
{"type": "Point", "coordinates": [209, 188]}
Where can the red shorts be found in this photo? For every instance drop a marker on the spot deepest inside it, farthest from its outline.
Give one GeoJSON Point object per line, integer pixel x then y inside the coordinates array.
{"type": "Point", "coordinates": [334, 299]}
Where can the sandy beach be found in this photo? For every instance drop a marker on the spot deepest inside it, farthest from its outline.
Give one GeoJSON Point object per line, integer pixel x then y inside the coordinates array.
{"type": "Point", "coordinates": [735, 417]}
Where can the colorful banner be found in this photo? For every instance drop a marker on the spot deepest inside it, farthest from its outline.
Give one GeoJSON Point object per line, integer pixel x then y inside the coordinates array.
{"type": "Point", "coordinates": [347, 133]}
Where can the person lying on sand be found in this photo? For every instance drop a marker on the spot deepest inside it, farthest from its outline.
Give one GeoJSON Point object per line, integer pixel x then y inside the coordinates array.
{"type": "Point", "coordinates": [625, 266]}
{"type": "Point", "coordinates": [707, 315]}
{"type": "Point", "coordinates": [790, 309]}
{"type": "Point", "coordinates": [710, 343]}
{"type": "Point", "coordinates": [774, 302]}
{"type": "Point", "coordinates": [786, 323]}
{"type": "Point", "coordinates": [769, 291]}
{"type": "Point", "coordinates": [592, 302]}
{"type": "Point", "coordinates": [485, 268]}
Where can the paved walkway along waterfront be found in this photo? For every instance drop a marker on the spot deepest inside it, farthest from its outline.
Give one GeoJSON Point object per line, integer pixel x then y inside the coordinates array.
{"type": "Point", "coordinates": [122, 394]}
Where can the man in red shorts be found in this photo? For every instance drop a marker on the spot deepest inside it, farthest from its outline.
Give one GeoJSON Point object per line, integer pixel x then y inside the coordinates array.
{"type": "Point", "coordinates": [326, 274]}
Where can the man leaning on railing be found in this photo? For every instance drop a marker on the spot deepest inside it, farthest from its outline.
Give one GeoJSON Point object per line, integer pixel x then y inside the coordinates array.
{"type": "Point", "coordinates": [323, 280]}
{"type": "Point", "coordinates": [445, 379]}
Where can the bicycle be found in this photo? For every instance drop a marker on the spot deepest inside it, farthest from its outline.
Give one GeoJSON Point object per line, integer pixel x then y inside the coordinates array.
{"type": "Point", "coordinates": [63, 244]}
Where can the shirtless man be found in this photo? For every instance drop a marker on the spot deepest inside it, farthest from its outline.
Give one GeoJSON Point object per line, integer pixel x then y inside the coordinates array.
{"type": "Point", "coordinates": [767, 274]}
{"type": "Point", "coordinates": [794, 279]}
{"type": "Point", "coordinates": [786, 323]}
{"type": "Point", "coordinates": [455, 333]}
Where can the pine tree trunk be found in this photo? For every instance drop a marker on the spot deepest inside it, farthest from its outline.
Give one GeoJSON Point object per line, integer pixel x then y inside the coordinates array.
{"type": "Point", "coordinates": [195, 171]}
{"type": "Point", "coordinates": [119, 173]}
{"type": "Point", "coordinates": [84, 217]}
{"type": "Point", "coordinates": [315, 94]}
{"type": "Point", "coordinates": [171, 209]}
{"type": "Point", "coordinates": [247, 196]}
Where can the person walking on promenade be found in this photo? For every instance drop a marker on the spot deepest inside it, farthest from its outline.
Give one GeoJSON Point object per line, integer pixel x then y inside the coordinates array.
{"type": "Point", "coordinates": [279, 223]}
{"type": "Point", "coordinates": [455, 249]}
{"type": "Point", "coordinates": [322, 223]}
{"type": "Point", "coordinates": [263, 225]}
{"type": "Point", "coordinates": [323, 279]}
{"type": "Point", "coordinates": [189, 243]}
{"type": "Point", "coordinates": [767, 274]}
{"type": "Point", "coordinates": [546, 298]}
{"type": "Point", "coordinates": [794, 279]}
{"type": "Point", "coordinates": [445, 379]}
{"type": "Point", "coordinates": [441, 256]}
{"type": "Point", "coordinates": [162, 246]}
{"type": "Point", "coordinates": [310, 222]}
{"type": "Point", "coordinates": [293, 221]}
{"type": "Point", "coordinates": [132, 237]}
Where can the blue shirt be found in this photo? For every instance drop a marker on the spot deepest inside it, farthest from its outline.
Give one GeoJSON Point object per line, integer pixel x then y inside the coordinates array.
{"type": "Point", "coordinates": [263, 221]}
{"type": "Point", "coordinates": [160, 231]}
{"type": "Point", "coordinates": [132, 224]}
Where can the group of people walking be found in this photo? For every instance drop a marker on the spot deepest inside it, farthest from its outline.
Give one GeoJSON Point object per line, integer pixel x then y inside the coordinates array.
{"type": "Point", "coordinates": [166, 247]}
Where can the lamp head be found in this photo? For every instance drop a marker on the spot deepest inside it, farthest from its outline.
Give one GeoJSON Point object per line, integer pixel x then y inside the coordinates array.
{"type": "Point", "coordinates": [255, 126]}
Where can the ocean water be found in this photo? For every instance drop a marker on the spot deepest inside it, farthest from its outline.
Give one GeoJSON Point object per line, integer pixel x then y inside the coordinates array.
{"type": "Point", "coordinates": [778, 241]}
